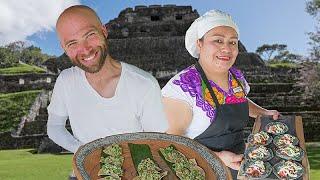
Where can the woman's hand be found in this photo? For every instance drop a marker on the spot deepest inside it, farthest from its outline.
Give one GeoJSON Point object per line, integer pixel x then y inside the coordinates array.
{"type": "Point", "coordinates": [255, 110]}
{"type": "Point", "coordinates": [230, 159]}
{"type": "Point", "coordinates": [274, 113]}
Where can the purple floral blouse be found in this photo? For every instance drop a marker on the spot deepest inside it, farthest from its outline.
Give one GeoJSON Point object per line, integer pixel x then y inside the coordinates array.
{"type": "Point", "coordinates": [189, 81]}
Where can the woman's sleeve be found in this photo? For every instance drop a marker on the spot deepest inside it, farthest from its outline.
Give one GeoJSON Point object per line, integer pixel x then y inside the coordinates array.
{"type": "Point", "coordinates": [246, 86]}
{"type": "Point", "coordinates": [175, 91]}
{"type": "Point", "coordinates": [240, 76]}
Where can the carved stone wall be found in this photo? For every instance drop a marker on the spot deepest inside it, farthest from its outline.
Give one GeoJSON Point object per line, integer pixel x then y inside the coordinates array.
{"type": "Point", "coordinates": [17, 83]}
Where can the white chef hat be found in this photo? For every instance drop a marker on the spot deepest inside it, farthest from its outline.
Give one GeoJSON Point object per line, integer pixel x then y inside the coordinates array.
{"type": "Point", "coordinates": [205, 23]}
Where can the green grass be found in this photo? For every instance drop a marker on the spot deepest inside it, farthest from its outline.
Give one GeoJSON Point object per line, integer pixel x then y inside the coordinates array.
{"type": "Point", "coordinates": [21, 69]}
{"type": "Point", "coordinates": [21, 164]}
{"type": "Point", "coordinates": [282, 65]}
{"type": "Point", "coordinates": [13, 106]}
{"type": "Point", "coordinates": [314, 161]}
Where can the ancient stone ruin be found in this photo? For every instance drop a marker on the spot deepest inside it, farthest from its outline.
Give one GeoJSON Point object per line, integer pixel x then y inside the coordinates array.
{"type": "Point", "coordinates": [24, 82]}
{"type": "Point", "coordinates": [151, 38]}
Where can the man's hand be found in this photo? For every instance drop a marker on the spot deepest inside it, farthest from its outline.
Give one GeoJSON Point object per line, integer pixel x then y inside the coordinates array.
{"type": "Point", "coordinates": [230, 159]}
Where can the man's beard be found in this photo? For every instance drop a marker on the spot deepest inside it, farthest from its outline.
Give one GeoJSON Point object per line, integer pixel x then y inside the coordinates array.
{"type": "Point", "coordinates": [96, 67]}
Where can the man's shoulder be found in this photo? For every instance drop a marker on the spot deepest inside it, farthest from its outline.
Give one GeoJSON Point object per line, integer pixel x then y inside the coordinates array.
{"type": "Point", "coordinates": [139, 75]}
{"type": "Point", "coordinates": [69, 72]}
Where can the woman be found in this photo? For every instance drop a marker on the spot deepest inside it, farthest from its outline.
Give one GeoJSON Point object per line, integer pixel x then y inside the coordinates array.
{"type": "Point", "coordinates": [214, 116]}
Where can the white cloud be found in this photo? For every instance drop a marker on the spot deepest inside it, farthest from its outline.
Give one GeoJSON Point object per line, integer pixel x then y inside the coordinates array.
{"type": "Point", "coordinates": [20, 19]}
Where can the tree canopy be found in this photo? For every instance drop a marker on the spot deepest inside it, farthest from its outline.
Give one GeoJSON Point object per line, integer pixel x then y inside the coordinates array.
{"type": "Point", "coordinates": [276, 52]}
{"type": "Point", "coordinates": [13, 53]}
{"type": "Point", "coordinates": [313, 8]}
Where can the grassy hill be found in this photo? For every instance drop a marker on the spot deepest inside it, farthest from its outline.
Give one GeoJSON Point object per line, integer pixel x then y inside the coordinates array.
{"type": "Point", "coordinates": [282, 65]}
{"type": "Point", "coordinates": [13, 106]}
{"type": "Point", "coordinates": [21, 69]}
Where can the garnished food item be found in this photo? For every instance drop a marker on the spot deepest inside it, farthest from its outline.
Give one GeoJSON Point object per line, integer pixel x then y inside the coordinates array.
{"type": "Point", "coordinates": [114, 160]}
{"type": "Point", "coordinates": [285, 140]}
{"type": "Point", "coordinates": [144, 164]}
{"type": "Point", "coordinates": [260, 138]}
{"type": "Point", "coordinates": [184, 168]}
{"type": "Point", "coordinates": [257, 169]}
{"type": "Point", "coordinates": [276, 128]}
{"type": "Point", "coordinates": [148, 170]}
{"type": "Point", "coordinates": [113, 150]}
{"type": "Point", "coordinates": [172, 155]}
{"type": "Point", "coordinates": [111, 162]}
{"type": "Point", "coordinates": [288, 170]}
{"type": "Point", "coordinates": [258, 153]}
{"type": "Point", "coordinates": [290, 152]}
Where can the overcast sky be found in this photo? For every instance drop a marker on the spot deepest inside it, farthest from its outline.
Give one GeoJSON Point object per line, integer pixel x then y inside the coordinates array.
{"type": "Point", "coordinates": [260, 21]}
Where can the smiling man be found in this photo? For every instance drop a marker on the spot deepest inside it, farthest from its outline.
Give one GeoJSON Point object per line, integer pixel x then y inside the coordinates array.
{"type": "Point", "coordinates": [100, 95]}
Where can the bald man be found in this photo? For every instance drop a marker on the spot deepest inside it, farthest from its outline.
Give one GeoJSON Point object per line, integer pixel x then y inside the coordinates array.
{"type": "Point", "coordinates": [100, 95]}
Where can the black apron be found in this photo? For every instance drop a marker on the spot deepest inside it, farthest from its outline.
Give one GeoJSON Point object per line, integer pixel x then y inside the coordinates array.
{"type": "Point", "coordinates": [226, 131]}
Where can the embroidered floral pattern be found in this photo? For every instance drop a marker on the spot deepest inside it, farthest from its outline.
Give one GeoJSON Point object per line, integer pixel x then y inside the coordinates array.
{"type": "Point", "coordinates": [190, 82]}
{"type": "Point", "coordinates": [234, 85]}
{"type": "Point", "coordinates": [219, 95]}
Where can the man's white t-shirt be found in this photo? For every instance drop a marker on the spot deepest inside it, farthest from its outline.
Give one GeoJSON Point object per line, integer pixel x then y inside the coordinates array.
{"type": "Point", "coordinates": [135, 107]}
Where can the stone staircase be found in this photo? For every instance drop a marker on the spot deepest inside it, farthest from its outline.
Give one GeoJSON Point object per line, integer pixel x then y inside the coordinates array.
{"type": "Point", "coordinates": [32, 130]}
{"type": "Point", "coordinates": [36, 127]}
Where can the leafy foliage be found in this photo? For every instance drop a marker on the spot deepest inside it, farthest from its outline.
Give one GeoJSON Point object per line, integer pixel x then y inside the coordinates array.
{"type": "Point", "coordinates": [33, 55]}
{"type": "Point", "coordinates": [310, 81]}
{"type": "Point", "coordinates": [310, 72]}
{"type": "Point", "coordinates": [313, 8]}
{"type": "Point", "coordinates": [276, 52]}
{"type": "Point", "coordinates": [13, 106]}
{"type": "Point", "coordinates": [8, 58]}
{"type": "Point", "coordinates": [315, 45]}
{"type": "Point", "coordinates": [12, 53]}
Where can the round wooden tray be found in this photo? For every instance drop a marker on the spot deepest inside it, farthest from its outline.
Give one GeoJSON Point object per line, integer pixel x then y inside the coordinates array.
{"type": "Point", "coordinates": [86, 160]}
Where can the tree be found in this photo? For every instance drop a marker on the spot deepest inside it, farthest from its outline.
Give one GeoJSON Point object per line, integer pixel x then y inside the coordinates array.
{"type": "Point", "coordinates": [309, 82]}
{"type": "Point", "coordinates": [269, 52]}
{"type": "Point", "coordinates": [8, 58]}
{"type": "Point", "coordinates": [17, 46]}
{"type": "Point", "coordinates": [313, 8]}
{"type": "Point", "coordinates": [11, 54]}
{"type": "Point", "coordinates": [286, 56]}
{"type": "Point", "coordinates": [277, 52]}
{"type": "Point", "coordinates": [33, 55]}
{"type": "Point", "coordinates": [310, 71]}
